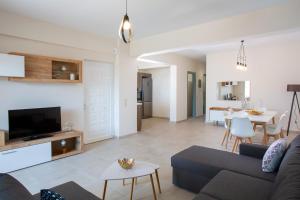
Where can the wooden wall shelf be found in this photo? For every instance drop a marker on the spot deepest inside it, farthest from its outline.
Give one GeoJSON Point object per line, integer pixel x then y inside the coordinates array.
{"type": "Point", "coordinates": [35, 80]}
{"type": "Point", "coordinates": [44, 69]}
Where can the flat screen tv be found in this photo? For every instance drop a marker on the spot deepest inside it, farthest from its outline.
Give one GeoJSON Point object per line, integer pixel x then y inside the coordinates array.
{"type": "Point", "coordinates": [33, 123]}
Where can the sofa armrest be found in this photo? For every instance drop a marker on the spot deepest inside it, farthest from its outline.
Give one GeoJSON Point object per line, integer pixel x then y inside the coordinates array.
{"type": "Point", "coordinates": [253, 150]}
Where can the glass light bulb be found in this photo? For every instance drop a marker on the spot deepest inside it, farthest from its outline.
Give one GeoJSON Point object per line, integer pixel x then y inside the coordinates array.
{"type": "Point", "coordinates": [126, 25]}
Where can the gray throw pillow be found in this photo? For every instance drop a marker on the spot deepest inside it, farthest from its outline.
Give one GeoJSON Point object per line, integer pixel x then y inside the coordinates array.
{"type": "Point", "coordinates": [273, 155]}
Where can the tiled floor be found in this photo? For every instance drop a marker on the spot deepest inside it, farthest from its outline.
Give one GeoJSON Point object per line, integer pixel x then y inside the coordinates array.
{"type": "Point", "coordinates": [158, 141]}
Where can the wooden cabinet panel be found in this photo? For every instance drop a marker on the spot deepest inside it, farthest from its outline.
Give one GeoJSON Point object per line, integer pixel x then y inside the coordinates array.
{"type": "Point", "coordinates": [38, 67]}
{"type": "Point", "coordinates": [50, 69]}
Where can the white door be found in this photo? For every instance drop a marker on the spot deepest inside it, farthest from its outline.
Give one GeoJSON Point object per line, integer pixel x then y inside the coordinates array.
{"type": "Point", "coordinates": [98, 92]}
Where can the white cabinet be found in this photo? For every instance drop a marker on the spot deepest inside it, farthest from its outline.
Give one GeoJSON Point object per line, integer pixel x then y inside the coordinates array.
{"type": "Point", "coordinates": [24, 157]}
{"type": "Point", "coordinates": [216, 116]}
{"type": "Point", "coordinates": [12, 65]}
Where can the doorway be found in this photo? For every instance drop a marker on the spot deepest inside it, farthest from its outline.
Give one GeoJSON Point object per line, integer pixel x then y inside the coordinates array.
{"type": "Point", "coordinates": [98, 101]}
{"type": "Point", "coordinates": [191, 95]}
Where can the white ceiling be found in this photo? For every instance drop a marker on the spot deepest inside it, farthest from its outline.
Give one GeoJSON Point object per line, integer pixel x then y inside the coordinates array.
{"type": "Point", "coordinates": [199, 52]}
{"type": "Point", "coordinates": [149, 17]}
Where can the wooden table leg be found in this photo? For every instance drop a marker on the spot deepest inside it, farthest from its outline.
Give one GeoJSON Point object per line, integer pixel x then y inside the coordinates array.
{"type": "Point", "coordinates": [273, 120]}
{"type": "Point", "coordinates": [254, 126]}
{"type": "Point", "coordinates": [123, 182]}
{"type": "Point", "coordinates": [265, 134]}
{"type": "Point", "coordinates": [153, 188]}
{"type": "Point", "coordinates": [104, 191]}
{"type": "Point", "coordinates": [132, 186]}
{"type": "Point", "coordinates": [158, 183]}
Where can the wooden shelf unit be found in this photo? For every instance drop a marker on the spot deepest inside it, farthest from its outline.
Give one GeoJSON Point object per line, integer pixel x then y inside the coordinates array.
{"type": "Point", "coordinates": [74, 143]}
{"type": "Point", "coordinates": [46, 69]}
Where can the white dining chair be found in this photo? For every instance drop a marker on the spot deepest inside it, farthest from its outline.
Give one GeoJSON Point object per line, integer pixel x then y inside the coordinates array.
{"type": "Point", "coordinates": [227, 129]}
{"type": "Point", "coordinates": [242, 130]}
{"type": "Point", "coordinates": [276, 130]}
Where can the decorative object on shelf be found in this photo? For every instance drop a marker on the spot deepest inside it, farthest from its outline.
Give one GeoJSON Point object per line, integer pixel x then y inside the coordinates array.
{"type": "Point", "coordinates": [72, 76]}
{"type": "Point", "coordinates": [241, 58]}
{"type": "Point", "coordinates": [68, 126]}
{"type": "Point", "coordinates": [63, 144]}
{"type": "Point", "coordinates": [126, 163]}
{"type": "Point", "coordinates": [63, 68]}
{"type": "Point", "coordinates": [125, 30]}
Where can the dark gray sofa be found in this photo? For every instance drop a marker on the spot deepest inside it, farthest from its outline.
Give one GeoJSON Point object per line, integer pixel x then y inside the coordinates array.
{"type": "Point", "coordinates": [12, 189]}
{"type": "Point", "coordinates": [216, 174]}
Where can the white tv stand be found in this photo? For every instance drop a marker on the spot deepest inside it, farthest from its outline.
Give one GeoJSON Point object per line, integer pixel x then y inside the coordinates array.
{"type": "Point", "coordinates": [19, 154]}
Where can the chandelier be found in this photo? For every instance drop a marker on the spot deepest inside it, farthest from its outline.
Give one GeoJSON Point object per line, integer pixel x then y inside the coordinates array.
{"type": "Point", "coordinates": [241, 58]}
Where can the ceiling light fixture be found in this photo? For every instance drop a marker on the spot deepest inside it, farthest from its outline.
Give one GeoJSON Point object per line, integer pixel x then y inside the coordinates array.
{"type": "Point", "coordinates": [241, 58]}
{"type": "Point", "coordinates": [125, 30]}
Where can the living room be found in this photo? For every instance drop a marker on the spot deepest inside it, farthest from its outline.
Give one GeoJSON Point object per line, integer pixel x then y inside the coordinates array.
{"type": "Point", "coordinates": [77, 62]}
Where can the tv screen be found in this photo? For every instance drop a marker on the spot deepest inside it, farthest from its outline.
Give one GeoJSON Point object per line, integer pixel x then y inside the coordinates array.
{"type": "Point", "coordinates": [33, 122]}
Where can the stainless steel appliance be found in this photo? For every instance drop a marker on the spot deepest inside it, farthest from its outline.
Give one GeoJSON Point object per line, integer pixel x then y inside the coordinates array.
{"type": "Point", "coordinates": [147, 97]}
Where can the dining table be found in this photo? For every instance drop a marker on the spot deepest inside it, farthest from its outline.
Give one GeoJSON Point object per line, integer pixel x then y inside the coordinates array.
{"type": "Point", "coordinates": [262, 119]}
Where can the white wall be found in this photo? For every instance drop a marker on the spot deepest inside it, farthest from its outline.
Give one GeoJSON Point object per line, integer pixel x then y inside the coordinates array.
{"type": "Point", "coordinates": [125, 92]}
{"type": "Point", "coordinates": [40, 31]}
{"type": "Point", "coordinates": [271, 66]}
{"type": "Point", "coordinates": [161, 91]}
{"type": "Point", "coordinates": [15, 95]}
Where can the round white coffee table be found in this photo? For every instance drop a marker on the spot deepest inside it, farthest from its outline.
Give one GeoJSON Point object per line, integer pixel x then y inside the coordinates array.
{"type": "Point", "coordinates": [141, 168]}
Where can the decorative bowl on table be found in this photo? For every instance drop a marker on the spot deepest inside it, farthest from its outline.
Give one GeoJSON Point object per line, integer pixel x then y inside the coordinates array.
{"type": "Point", "coordinates": [126, 163]}
{"type": "Point", "coordinates": [254, 112]}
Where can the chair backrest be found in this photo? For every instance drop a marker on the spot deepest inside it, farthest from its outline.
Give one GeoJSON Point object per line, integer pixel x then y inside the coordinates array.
{"type": "Point", "coordinates": [241, 127]}
{"type": "Point", "coordinates": [281, 123]}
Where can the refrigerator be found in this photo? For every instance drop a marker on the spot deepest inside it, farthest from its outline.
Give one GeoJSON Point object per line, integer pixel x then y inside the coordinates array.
{"type": "Point", "coordinates": [147, 97]}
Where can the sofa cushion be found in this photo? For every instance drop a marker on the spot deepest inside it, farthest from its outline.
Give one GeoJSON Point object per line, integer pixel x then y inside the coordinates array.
{"type": "Point", "coordinates": [12, 189]}
{"type": "Point", "coordinates": [273, 155]}
{"type": "Point", "coordinates": [287, 183]}
{"type": "Point", "coordinates": [253, 150]}
{"type": "Point", "coordinates": [209, 162]}
{"type": "Point", "coordinates": [71, 191]}
{"type": "Point", "coordinates": [202, 196]}
{"type": "Point", "coordinates": [234, 186]}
